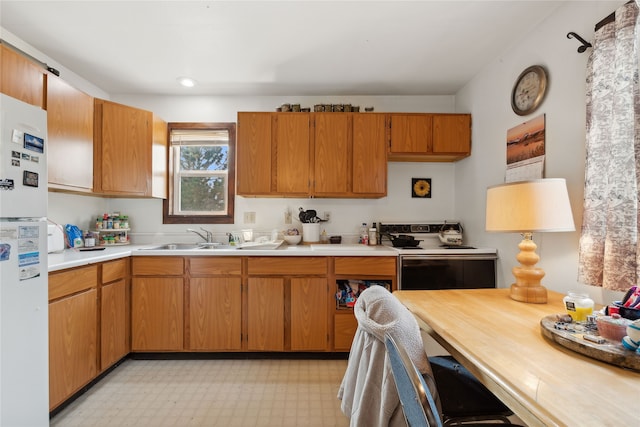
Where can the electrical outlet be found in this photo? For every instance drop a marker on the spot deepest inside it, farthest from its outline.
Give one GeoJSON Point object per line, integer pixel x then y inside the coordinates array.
{"type": "Point", "coordinates": [327, 216]}
{"type": "Point", "coordinates": [249, 217]}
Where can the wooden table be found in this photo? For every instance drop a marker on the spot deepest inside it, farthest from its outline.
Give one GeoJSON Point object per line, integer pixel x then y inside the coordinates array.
{"type": "Point", "coordinates": [499, 340]}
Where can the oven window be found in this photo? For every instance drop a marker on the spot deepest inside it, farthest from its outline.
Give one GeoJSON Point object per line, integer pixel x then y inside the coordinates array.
{"type": "Point", "coordinates": [424, 274]}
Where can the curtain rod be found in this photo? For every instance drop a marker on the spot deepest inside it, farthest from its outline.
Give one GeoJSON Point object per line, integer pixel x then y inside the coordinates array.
{"type": "Point", "coordinates": [25, 54]}
{"type": "Point", "coordinates": [610, 18]}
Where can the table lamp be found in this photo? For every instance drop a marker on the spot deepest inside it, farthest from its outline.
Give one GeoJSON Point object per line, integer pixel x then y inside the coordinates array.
{"type": "Point", "coordinates": [526, 207]}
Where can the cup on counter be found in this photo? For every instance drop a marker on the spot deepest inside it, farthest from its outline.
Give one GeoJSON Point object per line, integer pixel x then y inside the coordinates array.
{"type": "Point", "coordinates": [311, 232]}
{"type": "Point", "coordinates": [247, 235]}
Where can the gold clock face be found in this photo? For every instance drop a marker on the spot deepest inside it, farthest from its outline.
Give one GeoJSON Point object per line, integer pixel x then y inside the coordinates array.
{"type": "Point", "coordinates": [529, 90]}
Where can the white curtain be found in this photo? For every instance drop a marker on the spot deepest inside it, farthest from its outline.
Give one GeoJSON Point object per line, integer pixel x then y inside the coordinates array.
{"type": "Point", "coordinates": [609, 251]}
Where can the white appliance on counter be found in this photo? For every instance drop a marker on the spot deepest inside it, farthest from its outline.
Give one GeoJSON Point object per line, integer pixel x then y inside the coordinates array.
{"type": "Point", "coordinates": [24, 335]}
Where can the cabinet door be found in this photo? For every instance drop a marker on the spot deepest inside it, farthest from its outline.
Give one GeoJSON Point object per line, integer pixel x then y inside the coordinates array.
{"type": "Point", "coordinates": [72, 345]}
{"type": "Point", "coordinates": [369, 155]}
{"type": "Point", "coordinates": [332, 153]}
{"type": "Point", "coordinates": [308, 314]}
{"type": "Point", "coordinates": [452, 133]}
{"type": "Point", "coordinates": [292, 148]}
{"type": "Point", "coordinates": [70, 132]}
{"type": "Point", "coordinates": [254, 154]}
{"type": "Point", "coordinates": [265, 312]}
{"type": "Point", "coordinates": [21, 78]}
{"type": "Point", "coordinates": [344, 329]}
{"type": "Point", "coordinates": [411, 133]}
{"type": "Point", "coordinates": [113, 325]}
{"type": "Point", "coordinates": [123, 144]}
{"type": "Point", "coordinates": [157, 314]}
{"type": "Point", "coordinates": [215, 320]}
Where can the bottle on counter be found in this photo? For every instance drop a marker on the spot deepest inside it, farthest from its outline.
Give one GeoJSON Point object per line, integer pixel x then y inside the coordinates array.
{"type": "Point", "coordinates": [89, 240]}
{"type": "Point", "coordinates": [99, 223]}
{"type": "Point", "coordinates": [373, 236]}
{"type": "Point", "coordinates": [364, 234]}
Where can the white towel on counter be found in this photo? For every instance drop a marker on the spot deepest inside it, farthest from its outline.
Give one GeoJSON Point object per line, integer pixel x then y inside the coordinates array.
{"type": "Point", "coordinates": [368, 391]}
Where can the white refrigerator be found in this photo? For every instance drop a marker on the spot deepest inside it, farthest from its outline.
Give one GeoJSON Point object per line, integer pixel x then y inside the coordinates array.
{"type": "Point", "coordinates": [24, 336]}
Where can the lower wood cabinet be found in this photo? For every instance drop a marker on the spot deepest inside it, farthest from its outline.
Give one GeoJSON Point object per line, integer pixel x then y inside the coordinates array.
{"type": "Point", "coordinates": [265, 313]}
{"type": "Point", "coordinates": [364, 271]}
{"type": "Point", "coordinates": [157, 313]}
{"type": "Point", "coordinates": [309, 314]}
{"type": "Point", "coordinates": [113, 326]}
{"type": "Point", "coordinates": [73, 337]}
{"type": "Point", "coordinates": [287, 304]}
{"type": "Point", "coordinates": [215, 313]}
{"type": "Point", "coordinates": [157, 304]}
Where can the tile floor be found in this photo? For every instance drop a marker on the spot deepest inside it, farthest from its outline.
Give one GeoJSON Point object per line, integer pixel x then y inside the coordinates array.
{"type": "Point", "coordinates": [212, 393]}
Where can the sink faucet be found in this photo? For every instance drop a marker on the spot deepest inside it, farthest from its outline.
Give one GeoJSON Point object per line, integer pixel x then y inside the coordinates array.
{"type": "Point", "coordinates": [207, 238]}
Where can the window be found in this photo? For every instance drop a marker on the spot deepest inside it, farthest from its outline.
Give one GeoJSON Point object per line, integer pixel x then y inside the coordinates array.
{"type": "Point", "coordinates": [201, 173]}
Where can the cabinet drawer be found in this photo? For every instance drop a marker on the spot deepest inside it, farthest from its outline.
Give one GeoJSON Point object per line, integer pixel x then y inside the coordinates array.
{"type": "Point", "coordinates": [215, 266]}
{"type": "Point", "coordinates": [287, 266]}
{"type": "Point", "coordinates": [71, 281]}
{"type": "Point", "coordinates": [114, 270]}
{"type": "Point", "coordinates": [369, 266]}
{"type": "Point", "coordinates": [158, 266]}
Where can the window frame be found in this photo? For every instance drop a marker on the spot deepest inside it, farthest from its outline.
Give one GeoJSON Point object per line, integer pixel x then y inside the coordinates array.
{"type": "Point", "coordinates": [228, 218]}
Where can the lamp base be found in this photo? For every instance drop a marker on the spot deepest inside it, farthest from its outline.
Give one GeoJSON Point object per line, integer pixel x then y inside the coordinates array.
{"type": "Point", "coordinates": [527, 287]}
{"type": "Point", "coordinates": [529, 294]}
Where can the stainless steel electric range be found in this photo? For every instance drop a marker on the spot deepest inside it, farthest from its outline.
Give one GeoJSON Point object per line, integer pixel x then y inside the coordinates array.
{"type": "Point", "coordinates": [435, 265]}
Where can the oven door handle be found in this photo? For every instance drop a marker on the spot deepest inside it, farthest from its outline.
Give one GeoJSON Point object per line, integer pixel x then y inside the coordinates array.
{"type": "Point", "coordinates": [485, 257]}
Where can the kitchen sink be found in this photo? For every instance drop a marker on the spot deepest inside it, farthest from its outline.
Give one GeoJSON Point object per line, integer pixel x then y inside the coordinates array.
{"type": "Point", "coordinates": [189, 247]}
{"type": "Point", "coordinates": [173, 247]}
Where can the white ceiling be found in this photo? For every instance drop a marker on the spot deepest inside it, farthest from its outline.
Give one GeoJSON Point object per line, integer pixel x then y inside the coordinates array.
{"type": "Point", "coordinates": [294, 47]}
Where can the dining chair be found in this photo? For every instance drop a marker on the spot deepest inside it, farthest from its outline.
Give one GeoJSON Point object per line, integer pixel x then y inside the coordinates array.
{"type": "Point", "coordinates": [418, 401]}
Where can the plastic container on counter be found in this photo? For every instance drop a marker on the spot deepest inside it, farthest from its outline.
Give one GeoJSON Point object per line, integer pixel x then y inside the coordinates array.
{"type": "Point", "coordinates": [578, 306]}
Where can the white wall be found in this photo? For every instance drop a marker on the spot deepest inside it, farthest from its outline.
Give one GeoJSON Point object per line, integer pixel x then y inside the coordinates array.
{"type": "Point", "coordinates": [487, 97]}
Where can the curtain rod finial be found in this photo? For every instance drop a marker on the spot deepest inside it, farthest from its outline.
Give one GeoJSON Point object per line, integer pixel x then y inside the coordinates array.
{"type": "Point", "coordinates": [585, 44]}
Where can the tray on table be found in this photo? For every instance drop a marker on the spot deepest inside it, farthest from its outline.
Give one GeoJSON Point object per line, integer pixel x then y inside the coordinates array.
{"type": "Point", "coordinates": [609, 351]}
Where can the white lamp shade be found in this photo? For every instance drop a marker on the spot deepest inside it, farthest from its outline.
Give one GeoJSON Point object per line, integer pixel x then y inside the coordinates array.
{"type": "Point", "coordinates": [529, 206]}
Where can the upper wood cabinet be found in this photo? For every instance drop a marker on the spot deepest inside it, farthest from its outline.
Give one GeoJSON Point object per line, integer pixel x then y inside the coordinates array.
{"type": "Point", "coordinates": [253, 154]}
{"type": "Point", "coordinates": [273, 154]}
{"type": "Point", "coordinates": [70, 130]}
{"type": "Point", "coordinates": [292, 154]}
{"type": "Point", "coordinates": [349, 155]}
{"type": "Point", "coordinates": [369, 168]}
{"type": "Point", "coordinates": [311, 155]}
{"type": "Point", "coordinates": [129, 144]}
{"type": "Point", "coordinates": [429, 137]}
{"type": "Point", "coordinates": [21, 78]}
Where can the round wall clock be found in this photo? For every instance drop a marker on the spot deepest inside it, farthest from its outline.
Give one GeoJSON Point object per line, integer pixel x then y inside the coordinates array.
{"type": "Point", "coordinates": [529, 90]}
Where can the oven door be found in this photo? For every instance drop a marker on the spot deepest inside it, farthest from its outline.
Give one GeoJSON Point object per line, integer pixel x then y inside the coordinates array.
{"type": "Point", "coordinates": [423, 272]}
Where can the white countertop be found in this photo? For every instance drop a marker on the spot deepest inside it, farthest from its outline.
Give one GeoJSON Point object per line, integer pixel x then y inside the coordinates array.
{"type": "Point", "coordinates": [73, 258]}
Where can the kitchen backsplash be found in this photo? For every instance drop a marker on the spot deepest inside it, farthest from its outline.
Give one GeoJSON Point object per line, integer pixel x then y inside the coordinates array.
{"type": "Point", "coordinates": [347, 215]}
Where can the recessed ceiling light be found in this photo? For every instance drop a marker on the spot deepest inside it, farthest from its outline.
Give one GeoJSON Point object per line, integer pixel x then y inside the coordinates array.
{"type": "Point", "coordinates": [186, 81]}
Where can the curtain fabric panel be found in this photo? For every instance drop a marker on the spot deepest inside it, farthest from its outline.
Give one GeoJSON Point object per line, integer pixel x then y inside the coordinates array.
{"type": "Point", "coordinates": [609, 254]}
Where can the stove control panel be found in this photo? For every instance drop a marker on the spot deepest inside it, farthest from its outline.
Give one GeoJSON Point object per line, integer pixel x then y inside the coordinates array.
{"type": "Point", "coordinates": [415, 228]}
